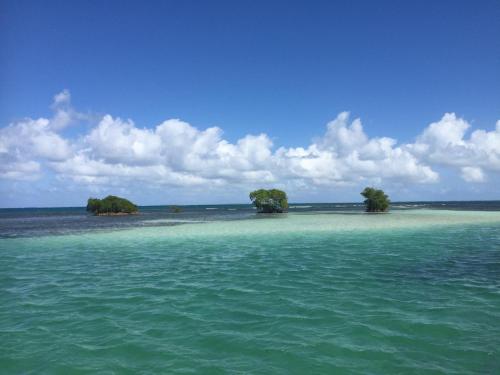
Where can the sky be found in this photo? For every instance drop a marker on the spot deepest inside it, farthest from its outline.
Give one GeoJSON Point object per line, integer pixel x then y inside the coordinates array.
{"type": "Point", "coordinates": [191, 102]}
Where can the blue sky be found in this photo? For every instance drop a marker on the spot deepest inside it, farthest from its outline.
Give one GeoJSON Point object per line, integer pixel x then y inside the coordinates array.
{"type": "Point", "coordinates": [284, 69]}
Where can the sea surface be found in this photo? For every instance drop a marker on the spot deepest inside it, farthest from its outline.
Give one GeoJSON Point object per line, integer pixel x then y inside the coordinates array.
{"type": "Point", "coordinates": [324, 289]}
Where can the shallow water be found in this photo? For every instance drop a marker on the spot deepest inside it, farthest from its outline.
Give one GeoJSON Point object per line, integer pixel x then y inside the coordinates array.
{"type": "Point", "coordinates": [35, 222]}
{"type": "Point", "coordinates": [414, 291]}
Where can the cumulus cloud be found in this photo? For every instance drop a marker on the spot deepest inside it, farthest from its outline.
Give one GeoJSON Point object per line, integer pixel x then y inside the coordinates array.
{"type": "Point", "coordinates": [445, 143]}
{"type": "Point", "coordinates": [174, 151]}
{"type": "Point", "coordinates": [345, 154]}
{"type": "Point", "coordinates": [26, 144]}
{"type": "Point", "coordinates": [34, 138]}
{"type": "Point", "coordinates": [116, 152]}
{"type": "Point", "coordinates": [19, 170]}
{"type": "Point", "coordinates": [114, 141]}
{"type": "Point", "coordinates": [473, 174]}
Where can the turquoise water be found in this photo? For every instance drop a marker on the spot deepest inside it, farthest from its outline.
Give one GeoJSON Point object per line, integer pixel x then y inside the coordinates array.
{"type": "Point", "coordinates": [415, 291]}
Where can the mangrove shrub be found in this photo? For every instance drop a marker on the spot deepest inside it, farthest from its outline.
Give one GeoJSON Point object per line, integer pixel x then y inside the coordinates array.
{"type": "Point", "coordinates": [376, 200]}
{"type": "Point", "coordinates": [269, 201]}
{"type": "Point", "coordinates": [110, 205]}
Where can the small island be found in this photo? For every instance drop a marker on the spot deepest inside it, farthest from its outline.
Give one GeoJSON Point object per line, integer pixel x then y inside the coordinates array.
{"type": "Point", "coordinates": [376, 200]}
{"type": "Point", "coordinates": [111, 206]}
{"type": "Point", "coordinates": [269, 201]}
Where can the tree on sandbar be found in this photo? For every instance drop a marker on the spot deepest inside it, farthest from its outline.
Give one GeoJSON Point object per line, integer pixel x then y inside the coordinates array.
{"type": "Point", "coordinates": [269, 201]}
{"type": "Point", "coordinates": [375, 200]}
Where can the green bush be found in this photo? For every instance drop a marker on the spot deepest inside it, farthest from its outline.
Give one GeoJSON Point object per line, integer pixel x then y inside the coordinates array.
{"type": "Point", "coordinates": [269, 201]}
{"type": "Point", "coordinates": [376, 200]}
{"type": "Point", "coordinates": [110, 205]}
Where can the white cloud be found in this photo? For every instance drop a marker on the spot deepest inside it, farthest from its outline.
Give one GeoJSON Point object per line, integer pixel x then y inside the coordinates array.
{"type": "Point", "coordinates": [33, 138]}
{"type": "Point", "coordinates": [116, 152]}
{"type": "Point", "coordinates": [473, 174]}
{"type": "Point", "coordinates": [64, 97]}
{"type": "Point", "coordinates": [80, 168]}
{"type": "Point", "coordinates": [445, 143]}
{"type": "Point", "coordinates": [116, 141]}
{"type": "Point", "coordinates": [19, 170]}
{"type": "Point", "coordinates": [26, 144]}
{"type": "Point", "coordinates": [179, 148]}
{"type": "Point", "coordinates": [64, 114]}
{"type": "Point", "coordinates": [345, 154]}
{"type": "Point", "coordinates": [449, 131]}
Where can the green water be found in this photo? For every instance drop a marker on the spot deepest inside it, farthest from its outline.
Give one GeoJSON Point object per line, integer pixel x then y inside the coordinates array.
{"type": "Point", "coordinates": [408, 292]}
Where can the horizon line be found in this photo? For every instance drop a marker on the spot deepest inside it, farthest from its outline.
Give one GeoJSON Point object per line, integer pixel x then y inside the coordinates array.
{"type": "Point", "coordinates": [250, 204]}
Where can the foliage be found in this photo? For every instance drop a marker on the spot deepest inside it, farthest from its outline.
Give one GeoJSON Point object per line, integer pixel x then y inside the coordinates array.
{"type": "Point", "coordinates": [269, 201]}
{"type": "Point", "coordinates": [93, 204]}
{"type": "Point", "coordinates": [376, 200]}
{"type": "Point", "coordinates": [110, 205]}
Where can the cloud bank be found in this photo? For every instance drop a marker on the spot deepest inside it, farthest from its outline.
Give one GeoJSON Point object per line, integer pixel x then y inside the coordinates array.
{"type": "Point", "coordinates": [116, 152]}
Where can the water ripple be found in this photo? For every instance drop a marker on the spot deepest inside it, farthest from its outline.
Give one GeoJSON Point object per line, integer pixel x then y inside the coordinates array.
{"type": "Point", "coordinates": [422, 300]}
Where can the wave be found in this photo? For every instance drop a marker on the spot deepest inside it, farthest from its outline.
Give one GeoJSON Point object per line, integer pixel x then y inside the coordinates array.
{"type": "Point", "coordinates": [281, 304]}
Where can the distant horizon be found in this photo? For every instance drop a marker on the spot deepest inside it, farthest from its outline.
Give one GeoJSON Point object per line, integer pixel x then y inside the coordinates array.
{"type": "Point", "coordinates": [250, 204]}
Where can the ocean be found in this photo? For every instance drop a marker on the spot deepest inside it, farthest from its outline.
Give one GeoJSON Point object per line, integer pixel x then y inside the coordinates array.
{"type": "Point", "coordinates": [323, 289]}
